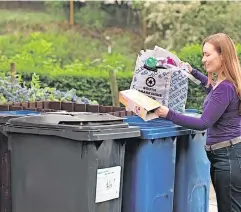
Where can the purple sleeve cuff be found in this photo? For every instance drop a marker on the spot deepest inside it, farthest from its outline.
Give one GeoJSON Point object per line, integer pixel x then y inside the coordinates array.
{"type": "Point", "coordinates": [170, 114]}
{"type": "Point", "coordinates": [203, 78]}
{"type": "Point", "coordinates": [194, 72]}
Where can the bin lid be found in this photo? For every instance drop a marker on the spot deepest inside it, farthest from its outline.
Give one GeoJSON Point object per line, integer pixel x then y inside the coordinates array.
{"type": "Point", "coordinates": [156, 128]}
{"type": "Point", "coordinates": [161, 128]}
{"type": "Point", "coordinates": [19, 112]}
{"type": "Point", "coordinates": [59, 120]}
{"type": "Point", "coordinates": [77, 126]}
{"type": "Point", "coordinates": [6, 115]}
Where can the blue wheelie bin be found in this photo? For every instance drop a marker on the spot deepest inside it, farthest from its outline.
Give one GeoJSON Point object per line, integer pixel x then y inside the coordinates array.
{"type": "Point", "coordinates": [166, 169]}
{"type": "Point", "coordinates": [192, 177]}
{"type": "Point", "coordinates": [149, 172]}
{"type": "Point", "coordinates": [5, 173]}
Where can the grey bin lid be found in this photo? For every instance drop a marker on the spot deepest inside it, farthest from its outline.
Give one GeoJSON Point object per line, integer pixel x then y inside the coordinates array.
{"type": "Point", "coordinates": [77, 126]}
{"type": "Point", "coordinates": [85, 121]}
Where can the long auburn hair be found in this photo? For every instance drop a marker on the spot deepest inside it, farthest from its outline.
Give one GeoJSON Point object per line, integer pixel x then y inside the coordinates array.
{"type": "Point", "coordinates": [231, 69]}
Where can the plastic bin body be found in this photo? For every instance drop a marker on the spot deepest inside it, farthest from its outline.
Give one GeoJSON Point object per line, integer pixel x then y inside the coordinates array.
{"type": "Point", "coordinates": [5, 176]}
{"type": "Point", "coordinates": [5, 163]}
{"type": "Point", "coordinates": [187, 174]}
{"type": "Point", "coordinates": [149, 175]}
{"type": "Point", "coordinates": [192, 181]}
{"type": "Point", "coordinates": [56, 174]}
{"type": "Point", "coordinates": [150, 167]}
{"type": "Point", "coordinates": [57, 167]}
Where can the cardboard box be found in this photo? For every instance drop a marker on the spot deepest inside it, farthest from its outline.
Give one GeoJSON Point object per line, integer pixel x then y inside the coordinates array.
{"type": "Point", "coordinates": [139, 103]}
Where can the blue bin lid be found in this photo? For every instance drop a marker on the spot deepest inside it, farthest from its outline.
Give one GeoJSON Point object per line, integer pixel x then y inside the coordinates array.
{"type": "Point", "coordinates": [193, 111]}
{"type": "Point", "coordinates": [19, 112]}
{"type": "Point", "coordinates": [6, 115]}
{"type": "Point", "coordinates": [160, 128]}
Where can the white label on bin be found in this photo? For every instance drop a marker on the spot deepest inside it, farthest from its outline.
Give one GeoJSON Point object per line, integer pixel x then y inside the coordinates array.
{"type": "Point", "coordinates": [108, 184]}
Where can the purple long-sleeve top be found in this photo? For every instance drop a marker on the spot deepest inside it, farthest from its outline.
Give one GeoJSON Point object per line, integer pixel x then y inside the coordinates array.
{"type": "Point", "coordinates": [220, 112]}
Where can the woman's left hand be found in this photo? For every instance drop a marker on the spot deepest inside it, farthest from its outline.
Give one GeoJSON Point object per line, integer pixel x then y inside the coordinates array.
{"type": "Point", "coordinates": [162, 111]}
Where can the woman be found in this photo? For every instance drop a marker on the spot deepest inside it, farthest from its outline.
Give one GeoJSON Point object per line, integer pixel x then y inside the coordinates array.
{"type": "Point", "coordinates": [220, 117]}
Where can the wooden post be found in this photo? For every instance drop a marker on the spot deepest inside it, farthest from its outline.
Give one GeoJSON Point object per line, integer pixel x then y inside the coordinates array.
{"type": "Point", "coordinates": [144, 29]}
{"type": "Point", "coordinates": [114, 88]}
{"type": "Point", "coordinates": [13, 71]}
{"type": "Point", "coordinates": [71, 12]}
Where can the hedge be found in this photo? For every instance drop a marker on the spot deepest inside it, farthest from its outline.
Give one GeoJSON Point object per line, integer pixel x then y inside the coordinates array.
{"type": "Point", "coordinates": [91, 79]}
{"type": "Point", "coordinates": [94, 84]}
{"type": "Point", "coordinates": [98, 88]}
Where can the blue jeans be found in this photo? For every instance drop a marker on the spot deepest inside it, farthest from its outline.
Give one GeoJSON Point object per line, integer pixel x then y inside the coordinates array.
{"type": "Point", "coordinates": [226, 177]}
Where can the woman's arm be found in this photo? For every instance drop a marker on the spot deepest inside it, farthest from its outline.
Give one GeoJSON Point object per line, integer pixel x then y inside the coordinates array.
{"type": "Point", "coordinates": [217, 104]}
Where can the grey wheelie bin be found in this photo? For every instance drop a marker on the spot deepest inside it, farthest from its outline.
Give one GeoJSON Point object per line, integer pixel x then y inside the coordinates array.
{"type": "Point", "coordinates": [68, 163]}
{"type": "Point", "coordinates": [5, 163]}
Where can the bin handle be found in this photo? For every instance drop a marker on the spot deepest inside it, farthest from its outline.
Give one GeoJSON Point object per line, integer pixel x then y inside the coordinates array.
{"type": "Point", "coordinates": [87, 123]}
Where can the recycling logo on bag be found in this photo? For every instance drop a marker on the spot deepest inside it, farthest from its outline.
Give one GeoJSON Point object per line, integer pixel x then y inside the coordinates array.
{"type": "Point", "coordinates": [150, 82]}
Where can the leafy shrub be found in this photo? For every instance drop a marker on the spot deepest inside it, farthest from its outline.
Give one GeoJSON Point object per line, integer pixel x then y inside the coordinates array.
{"type": "Point", "coordinates": [16, 91]}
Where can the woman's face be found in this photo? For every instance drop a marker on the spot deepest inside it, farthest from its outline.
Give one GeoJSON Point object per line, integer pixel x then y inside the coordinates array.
{"type": "Point", "coordinates": [211, 60]}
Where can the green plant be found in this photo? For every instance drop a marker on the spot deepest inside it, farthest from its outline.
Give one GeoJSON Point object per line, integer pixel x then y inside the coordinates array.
{"type": "Point", "coordinates": [13, 91]}
{"type": "Point", "coordinates": [90, 87]}
{"type": "Point", "coordinates": [53, 54]}
{"type": "Point", "coordinates": [56, 7]}
{"type": "Point", "coordinates": [91, 15]}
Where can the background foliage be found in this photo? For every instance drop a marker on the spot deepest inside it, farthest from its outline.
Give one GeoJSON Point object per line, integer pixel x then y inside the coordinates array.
{"type": "Point", "coordinates": [39, 39]}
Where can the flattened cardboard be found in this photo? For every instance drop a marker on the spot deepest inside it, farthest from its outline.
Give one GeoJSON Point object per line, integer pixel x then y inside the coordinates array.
{"type": "Point", "coordinates": [139, 103]}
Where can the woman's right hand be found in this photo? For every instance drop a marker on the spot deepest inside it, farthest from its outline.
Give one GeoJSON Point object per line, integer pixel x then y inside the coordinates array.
{"type": "Point", "coordinates": [185, 64]}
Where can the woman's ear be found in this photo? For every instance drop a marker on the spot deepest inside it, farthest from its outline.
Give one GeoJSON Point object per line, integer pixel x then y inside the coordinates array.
{"type": "Point", "coordinates": [221, 57]}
